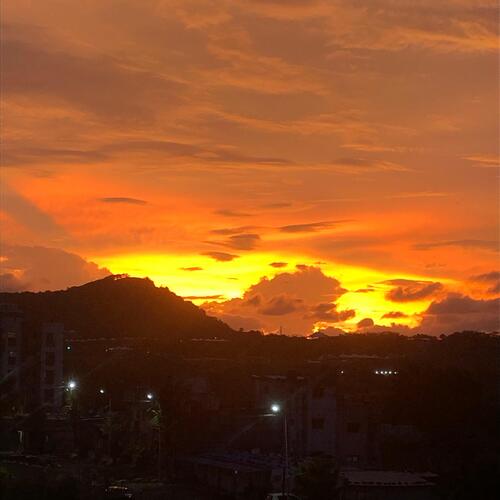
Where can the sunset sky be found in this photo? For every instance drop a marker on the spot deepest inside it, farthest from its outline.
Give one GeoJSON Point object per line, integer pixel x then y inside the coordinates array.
{"type": "Point", "coordinates": [303, 165]}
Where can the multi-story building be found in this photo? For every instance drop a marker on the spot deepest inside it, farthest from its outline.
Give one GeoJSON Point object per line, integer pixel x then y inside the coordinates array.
{"type": "Point", "coordinates": [51, 365]}
{"type": "Point", "coordinates": [11, 345]}
{"type": "Point", "coordinates": [322, 417]}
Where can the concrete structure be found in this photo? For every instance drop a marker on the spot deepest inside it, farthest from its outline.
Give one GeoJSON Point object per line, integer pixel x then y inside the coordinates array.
{"type": "Point", "coordinates": [11, 345]}
{"type": "Point", "coordinates": [52, 365]}
{"type": "Point", "coordinates": [386, 485]}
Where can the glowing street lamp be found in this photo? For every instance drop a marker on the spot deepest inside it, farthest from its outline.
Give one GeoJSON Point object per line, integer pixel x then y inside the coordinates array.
{"type": "Point", "coordinates": [149, 396]}
{"type": "Point", "coordinates": [101, 391]}
{"type": "Point", "coordinates": [276, 409]}
{"type": "Point", "coordinates": [72, 385]}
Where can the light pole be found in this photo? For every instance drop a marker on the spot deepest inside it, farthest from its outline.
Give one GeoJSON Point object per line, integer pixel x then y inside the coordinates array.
{"type": "Point", "coordinates": [276, 409]}
{"type": "Point", "coordinates": [150, 397]}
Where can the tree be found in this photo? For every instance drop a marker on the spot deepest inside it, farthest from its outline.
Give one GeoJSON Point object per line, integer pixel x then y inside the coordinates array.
{"type": "Point", "coordinates": [318, 479]}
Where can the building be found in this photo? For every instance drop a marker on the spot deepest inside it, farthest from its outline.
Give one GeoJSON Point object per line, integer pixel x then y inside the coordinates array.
{"type": "Point", "coordinates": [386, 485]}
{"type": "Point", "coordinates": [52, 365]}
{"type": "Point", "coordinates": [11, 348]}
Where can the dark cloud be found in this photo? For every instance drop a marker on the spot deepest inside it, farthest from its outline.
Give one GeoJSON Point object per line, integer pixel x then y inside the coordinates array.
{"type": "Point", "coordinates": [395, 315]}
{"type": "Point", "coordinates": [328, 312]}
{"type": "Point", "coordinates": [410, 290]}
{"type": "Point", "coordinates": [232, 213]}
{"type": "Point", "coordinates": [278, 265]}
{"type": "Point", "coordinates": [203, 297]}
{"type": "Point", "coordinates": [365, 323]}
{"type": "Point", "coordinates": [243, 241]}
{"type": "Point", "coordinates": [221, 256]}
{"type": "Point", "coordinates": [280, 305]}
{"type": "Point", "coordinates": [490, 277]}
{"type": "Point", "coordinates": [479, 244]}
{"type": "Point", "coordinates": [459, 312]}
{"type": "Point", "coordinates": [226, 231]}
{"type": "Point", "coordinates": [292, 300]}
{"type": "Point", "coordinates": [123, 200]}
{"type": "Point", "coordinates": [330, 331]}
{"type": "Point", "coordinates": [254, 301]}
{"type": "Point", "coordinates": [40, 268]}
{"type": "Point", "coordinates": [190, 269]}
{"type": "Point", "coordinates": [309, 227]}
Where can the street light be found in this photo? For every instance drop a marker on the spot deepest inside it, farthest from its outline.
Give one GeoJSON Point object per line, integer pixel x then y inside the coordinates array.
{"type": "Point", "coordinates": [276, 409]}
{"type": "Point", "coordinates": [72, 385]}
{"type": "Point", "coordinates": [149, 396]}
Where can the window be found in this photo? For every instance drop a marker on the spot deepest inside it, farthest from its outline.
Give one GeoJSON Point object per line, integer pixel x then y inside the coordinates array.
{"type": "Point", "coordinates": [50, 358]}
{"type": "Point", "coordinates": [318, 423]}
{"type": "Point", "coordinates": [353, 427]}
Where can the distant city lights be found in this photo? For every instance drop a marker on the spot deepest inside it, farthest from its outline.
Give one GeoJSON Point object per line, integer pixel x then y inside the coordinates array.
{"type": "Point", "coordinates": [386, 372]}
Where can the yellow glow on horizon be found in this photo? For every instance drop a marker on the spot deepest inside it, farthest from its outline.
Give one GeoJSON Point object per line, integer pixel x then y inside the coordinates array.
{"type": "Point", "coordinates": [226, 280]}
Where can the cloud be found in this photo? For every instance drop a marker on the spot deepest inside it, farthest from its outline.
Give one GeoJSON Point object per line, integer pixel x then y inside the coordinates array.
{"type": "Point", "coordinates": [479, 244]}
{"type": "Point", "coordinates": [123, 200]}
{"type": "Point", "coordinates": [330, 331]}
{"type": "Point", "coordinates": [232, 213]}
{"type": "Point", "coordinates": [310, 227]}
{"type": "Point", "coordinates": [484, 161]}
{"type": "Point", "coordinates": [221, 256]}
{"type": "Point", "coordinates": [30, 216]}
{"type": "Point", "coordinates": [203, 297]}
{"type": "Point", "coordinates": [278, 265]}
{"type": "Point", "coordinates": [490, 280]}
{"type": "Point", "coordinates": [364, 165]}
{"type": "Point", "coordinates": [41, 268]}
{"type": "Point", "coordinates": [459, 312]}
{"type": "Point", "coordinates": [99, 85]}
{"type": "Point", "coordinates": [491, 277]}
{"type": "Point", "coordinates": [365, 323]}
{"type": "Point", "coordinates": [395, 315]}
{"type": "Point", "coordinates": [191, 269]}
{"type": "Point", "coordinates": [410, 290]}
{"type": "Point", "coordinates": [231, 230]}
{"type": "Point", "coordinates": [294, 301]}
{"type": "Point", "coordinates": [327, 312]}
{"type": "Point", "coordinates": [281, 305]}
{"type": "Point", "coordinates": [243, 241]}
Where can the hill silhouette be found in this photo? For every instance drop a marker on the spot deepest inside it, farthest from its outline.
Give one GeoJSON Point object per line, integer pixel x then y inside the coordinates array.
{"type": "Point", "coordinates": [119, 306]}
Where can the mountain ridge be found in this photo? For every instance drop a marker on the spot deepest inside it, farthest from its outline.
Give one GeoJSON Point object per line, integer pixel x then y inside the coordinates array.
{"type": "Point", "coordinates": [119, 306]}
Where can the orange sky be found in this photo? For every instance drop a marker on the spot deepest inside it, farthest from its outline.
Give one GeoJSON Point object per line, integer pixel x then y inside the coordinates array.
{"type": "Point", "coordinates": [352, 144]}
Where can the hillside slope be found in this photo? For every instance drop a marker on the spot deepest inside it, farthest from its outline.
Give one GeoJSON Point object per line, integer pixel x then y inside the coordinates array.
{"type": "Point", "coordinates": [119, 306]}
